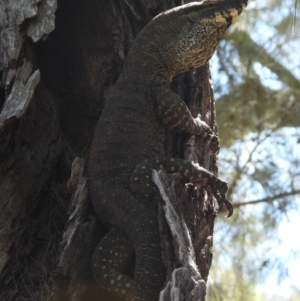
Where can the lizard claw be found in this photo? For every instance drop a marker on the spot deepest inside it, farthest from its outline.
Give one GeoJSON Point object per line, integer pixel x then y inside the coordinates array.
{"type": "Point", "coordinates": [230, 209]}
{"type": "Point", "coordinates": [214, 143]}
{"type": "Point", "coordinates": [228, 206]}
{"type": "Point", "coordinates": [219, 188]}
{"type": "Point", "coordinates": [208, 134]}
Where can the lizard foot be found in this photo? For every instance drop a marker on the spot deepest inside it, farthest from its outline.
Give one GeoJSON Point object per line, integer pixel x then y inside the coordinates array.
{"type": "Point", "coordinates": [214, 142]}
{"type": "Point", "coordinates": [219, 189]}
{"type": "Point", "coordinates": [208, 135]}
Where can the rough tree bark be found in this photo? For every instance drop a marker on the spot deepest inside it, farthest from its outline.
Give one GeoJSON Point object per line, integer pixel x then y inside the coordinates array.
{"type": "Point", "coordinates": [57, 63]}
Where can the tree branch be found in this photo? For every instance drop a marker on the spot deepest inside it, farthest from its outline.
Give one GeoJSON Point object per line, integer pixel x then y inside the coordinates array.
{"type": "Point", "coordinates": [267, 199]}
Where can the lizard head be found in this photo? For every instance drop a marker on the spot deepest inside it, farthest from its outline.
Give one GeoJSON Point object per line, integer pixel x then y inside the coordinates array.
{"type": "Point", "coordinates": [187, 36]}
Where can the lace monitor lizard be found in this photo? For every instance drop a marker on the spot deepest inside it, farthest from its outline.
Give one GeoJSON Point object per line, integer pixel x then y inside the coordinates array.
{"type": "Point", "coordinates": [129, 142]}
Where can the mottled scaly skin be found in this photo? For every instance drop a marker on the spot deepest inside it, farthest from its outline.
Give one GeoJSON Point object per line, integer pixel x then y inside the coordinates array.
{"type": "Point", "coordinates": [129, 143]}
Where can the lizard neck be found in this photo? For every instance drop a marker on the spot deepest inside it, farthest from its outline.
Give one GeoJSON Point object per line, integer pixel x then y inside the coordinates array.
{"type": "Point", "coordinates": [145, 68]}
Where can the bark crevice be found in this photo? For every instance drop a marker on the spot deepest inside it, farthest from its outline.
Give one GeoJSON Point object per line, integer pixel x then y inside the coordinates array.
{"type": "Point", "coordinates": [51, 94]}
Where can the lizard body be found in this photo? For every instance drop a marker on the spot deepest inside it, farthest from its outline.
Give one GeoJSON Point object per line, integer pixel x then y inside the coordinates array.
{"type": "Point", "coordinates": [129, 142]}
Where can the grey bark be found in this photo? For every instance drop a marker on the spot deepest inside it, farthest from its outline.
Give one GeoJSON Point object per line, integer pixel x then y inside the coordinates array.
{"type": "Point", "coordinates": [186, 282]}
{"type": "Point", "coordinates": [57, 63]}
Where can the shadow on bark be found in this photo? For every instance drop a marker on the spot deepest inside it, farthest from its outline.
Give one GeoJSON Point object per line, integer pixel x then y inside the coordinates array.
{"type": "Point", "coordinates": [53, 86]}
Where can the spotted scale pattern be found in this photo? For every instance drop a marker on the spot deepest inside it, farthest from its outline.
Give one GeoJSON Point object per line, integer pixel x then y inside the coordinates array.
{"type": "Point", "coordinates": [139, 238]}
{"type": "Point", "coordinates": [109, 264]}
{"type": "Point", "coordinates": [132, 129]}
{"type": "Point", "coordinates": [175, 115]}
{"type": "Point", "coordinates": [141, 178]}
{"type": "Point", "coordinates": [143, 187]}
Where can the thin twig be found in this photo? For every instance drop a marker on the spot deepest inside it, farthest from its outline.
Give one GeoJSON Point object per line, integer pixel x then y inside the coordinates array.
{"type": "Point", "coordinates": [267, 199]}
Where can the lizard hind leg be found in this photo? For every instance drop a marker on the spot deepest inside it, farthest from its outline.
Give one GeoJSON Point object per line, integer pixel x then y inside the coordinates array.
{"type": "Point", "coordinates": [143, 187]}
{"type": "Point", "coordinates": [110, 261]}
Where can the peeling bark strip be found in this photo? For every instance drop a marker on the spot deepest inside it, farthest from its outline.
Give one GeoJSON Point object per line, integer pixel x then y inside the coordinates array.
{"type": "Point", "coordinates": [18, 100]}
{"type": "Point", "coordinates": [186, 283]}
{"type": "Point", "coordinates": [13, 13]}
{"type": "Point", "coordinates": [78, 238]}
{"type": "Point", "coordinates": [43, 23]}
{"type": "Point", "coordinates": [18, 84]}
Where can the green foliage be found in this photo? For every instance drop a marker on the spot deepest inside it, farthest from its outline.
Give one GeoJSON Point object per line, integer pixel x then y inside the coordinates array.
{"type": "Point", "coordinates": [256, 74]}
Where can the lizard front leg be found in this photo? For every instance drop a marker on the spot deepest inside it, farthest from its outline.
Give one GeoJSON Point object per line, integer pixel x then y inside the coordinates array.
{"type": "Point", "coordinates": [175, 115]}
{"type": "Point", "coordinates": [144, 188]}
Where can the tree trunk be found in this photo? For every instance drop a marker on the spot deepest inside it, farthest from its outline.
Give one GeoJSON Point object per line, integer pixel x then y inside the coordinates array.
{"type": "Point", "coordinates": [52, 90]}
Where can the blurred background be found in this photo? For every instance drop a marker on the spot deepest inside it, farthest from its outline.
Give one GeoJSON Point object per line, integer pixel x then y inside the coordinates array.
{"type": "Point", "coordinates": [256, 75]}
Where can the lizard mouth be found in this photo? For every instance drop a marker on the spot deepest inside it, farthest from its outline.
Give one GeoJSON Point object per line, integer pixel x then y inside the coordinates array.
{"type": "Point", "coordinates": [220, 10]}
